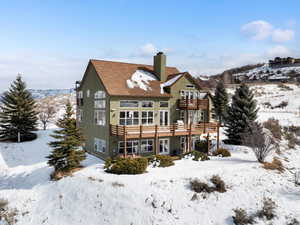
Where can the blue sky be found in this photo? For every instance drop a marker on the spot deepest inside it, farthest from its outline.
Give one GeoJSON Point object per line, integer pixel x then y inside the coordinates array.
{"type": "Point", "coordinates": [50, 42]}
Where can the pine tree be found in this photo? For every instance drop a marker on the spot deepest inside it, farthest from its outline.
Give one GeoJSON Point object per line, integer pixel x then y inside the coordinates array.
{"type": "Point", "coordinates": [67, 153]}
{"type": "Point", "coordinates": [241, 113]}
{"type": "Point", "coordinates": [220, 101]}
{"type": "Point", "coordinates": [18, 117]}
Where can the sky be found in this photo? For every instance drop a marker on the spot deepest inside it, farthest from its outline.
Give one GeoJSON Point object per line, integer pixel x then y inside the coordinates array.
{"type": "Point", "coordinates": [51, 42]}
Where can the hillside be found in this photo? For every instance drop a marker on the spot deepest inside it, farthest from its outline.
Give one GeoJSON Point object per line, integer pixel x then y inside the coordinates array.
{"type": "Point", "coordinates": [162, 195]}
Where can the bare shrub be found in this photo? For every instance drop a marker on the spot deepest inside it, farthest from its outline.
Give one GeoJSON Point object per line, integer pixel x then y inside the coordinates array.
{"type": "Point", "coordinates": [117, 184]}
{"type": "Point", "coordinates": [293, 221]}
{"type": "Point", "coordinates": [282, 105]}
{"type": "Point", "coordinates": [273, 126]}
{"type": "Point", "coordinates": [7, 214]}
{"type": "Point", "coordinates": [276, 164]}
{"type": "Point", "coordinates": [268, 209]}
{"type": "Point", "coordinates": [259, 140]}
{"type": "Point", "coordinates": [46, 112]}
{"type": "Point", "coordinates": [219, 183]}
{"type": "Point", "coordinates": [241, 217]}
{"type": "Point", "coordinates": [222, 152]}
{"type": "Point", "coordinates": [200, 187]}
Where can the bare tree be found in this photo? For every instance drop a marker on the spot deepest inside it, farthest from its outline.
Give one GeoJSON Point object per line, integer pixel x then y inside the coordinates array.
{"type": "Point", "coordinates": [46, 113]}
{"type": "Point", "coordinates": [260, 140]}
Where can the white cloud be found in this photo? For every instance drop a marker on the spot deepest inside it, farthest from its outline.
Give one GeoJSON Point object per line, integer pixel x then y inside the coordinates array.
{"type": "Point", "coordinates": [278, 50]}
{"type": "Point", "coordinates": [148, 49]}
{"type": "Point", "coordinates": [257, 30]}
{"type": "Point", "coordinates": [280, 35]}
{"type": "Point", "coordinates": [262, 30]}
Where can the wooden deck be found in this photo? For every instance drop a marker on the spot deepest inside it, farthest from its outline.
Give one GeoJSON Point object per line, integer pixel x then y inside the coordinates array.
{"type": "Point", "coordinates": [193, 104]}
{"type": "Point", "coordinates": [135, 132]}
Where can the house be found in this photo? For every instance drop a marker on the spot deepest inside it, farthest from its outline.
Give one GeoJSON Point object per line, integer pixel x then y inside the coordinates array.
{"type": "Point", "coordinates": [133, 109]}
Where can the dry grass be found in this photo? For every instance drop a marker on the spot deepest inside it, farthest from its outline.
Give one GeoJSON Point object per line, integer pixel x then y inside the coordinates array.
{"type": "Point", "coordinates": [57, 175]}
{"type": "Point", "coordinates": [276, 164]}
{"type": "Point", "coordinates": [116, 184]}
{"type": "Point", "coordinates": [95, 179]}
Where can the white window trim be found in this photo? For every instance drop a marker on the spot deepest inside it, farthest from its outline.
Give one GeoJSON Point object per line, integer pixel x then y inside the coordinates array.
{"type": "Point", "coordinates": [98, 102]}
{"type": "Point", "coordinates": [164, 106]}
{"type": "Point", "coordinates": [147, 111]}
{"type": "Point", "coordinates": [146, 106]}
{"type": "Point", "coordinates": [138, 118]}
{"type": "Point", "coordinates": [138, 104]}
{"type": "Point", "coordinates": [80, 115]}
{"type": "Point", "coordinates": [130, 141]}
{"type": "Point", "coordinates": [102, 121]}
{"type": "Point", "coordinates": [147, 145]}
{"type": "Point", "coordinates": [100, 94]}
{"type": "Point", "coordinates": [88, 93]}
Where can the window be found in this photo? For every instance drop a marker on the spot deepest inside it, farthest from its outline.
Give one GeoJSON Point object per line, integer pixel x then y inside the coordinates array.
{"type": "Point", "coordinates": [129, 103]}
{"type": "Point", "coordinates": [181, 116]}
{"type": "Point", "coordinates": [99, 117]}
{"type": "Point", "coordinates": [80, 115]}
{"type": "Point", "coordinates": [99, 94]}
{"type": "Point", "coordinates": [147, 117]}
{"type": "Point", "coordinates": [190, 86]}
{"type": "Point", "coordinates": [147, 104]}
{"type": "Point", "coordinates": [202, 116]}
{"type": "Point", "coordinates": [129, 118]}
{"type": "Point", "coordinates": [99, 103]}
{"type": "Point", "coordinates": [183, 143]}
{"type": "Point", "coordinates": [100, 145]}
{"type": "Point", "coordinates": [182, 94]}
{"type": "Point", "coordinates": [88, 93]}
{"type": "Point", "coordinates": [80, 98]}
{"type": "Point", "coordinates": [131, 146]}
{"type": "Point", "coordinates": [147, 145]}
{"type": "Point", "coordinates": [164, 104]}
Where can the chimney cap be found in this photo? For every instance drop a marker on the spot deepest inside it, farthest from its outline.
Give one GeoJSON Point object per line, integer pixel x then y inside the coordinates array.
{"type": "Point", "coordinates": [160, 53]}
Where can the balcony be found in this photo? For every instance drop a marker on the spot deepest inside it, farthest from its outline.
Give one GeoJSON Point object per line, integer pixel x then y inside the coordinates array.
{"type": "Point", "coordinates": [155, 131]}
{"type": "Point", "coordinates": [193, 104]}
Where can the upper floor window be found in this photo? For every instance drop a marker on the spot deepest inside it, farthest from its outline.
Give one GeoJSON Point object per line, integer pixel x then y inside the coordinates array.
{"type": "Point", "coordinates": [164, 104]}
{"type": "Point", "coordinates": [147, 117]}
{"type": "Point", "coordinates": [80, 115]}
{"type": "Point", "coordinates": [88, 93]}
{"type": "Point", "coordinates": [190, 86]}
{"type": "Point", "coordinates": [147, 104]}
{"type": "Point", "coordinates": [129, 103]}
{"type": "Point", "coordinates": [99, 117]}
{"type": "Point", "coordinates": [99, 104]}
{"type": "Point", "coordinates": [99, 94]}
{"type": "Point", "coordinates": [129, 118]}
{"type": "Point", "coordinates": [80, 98]}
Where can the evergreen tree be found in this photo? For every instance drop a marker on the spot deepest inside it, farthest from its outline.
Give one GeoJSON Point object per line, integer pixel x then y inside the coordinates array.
{"type": "Point", "coordinates": [220, 101]}
{"type": "Point", "coordinates": [67, 153]}
{"type": "Point", "coordinates": [241, 113]}
{"type": "Point", "coordinates": [18, 117]}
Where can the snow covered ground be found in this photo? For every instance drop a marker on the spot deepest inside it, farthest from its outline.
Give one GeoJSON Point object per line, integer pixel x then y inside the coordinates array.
{"type": "Point", "coordinates": [273, 94]}
{"type": "Point", "coordinates": [161, 196]}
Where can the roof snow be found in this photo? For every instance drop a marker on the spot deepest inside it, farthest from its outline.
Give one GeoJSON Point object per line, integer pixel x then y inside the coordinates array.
{"type": "Point", "coordinates": [140, 79]}
{"type": "Point", "coordinates": [169, 82]}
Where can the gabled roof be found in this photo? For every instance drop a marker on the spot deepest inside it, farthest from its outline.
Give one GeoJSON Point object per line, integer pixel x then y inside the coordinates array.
{"type": "Point", "coordinates": [115, 76]}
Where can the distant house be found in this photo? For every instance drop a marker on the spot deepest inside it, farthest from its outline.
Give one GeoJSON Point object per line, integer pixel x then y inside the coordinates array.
{"type": "Point", "coordinates": [136, 109]}
{"type": "Point", "coordinates": [278, 78]}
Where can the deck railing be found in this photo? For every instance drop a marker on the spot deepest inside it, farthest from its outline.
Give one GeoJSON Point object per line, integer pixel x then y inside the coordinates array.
{"type": "Point", "coordinates": [161, 131]}
{"type": "Point", "coordinates": [195, 104]}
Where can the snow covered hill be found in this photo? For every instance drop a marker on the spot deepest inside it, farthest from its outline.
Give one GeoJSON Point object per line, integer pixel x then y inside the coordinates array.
{"type": "Point", "coordinates": [161, 196]}
{"type": "Point", "coordinates": [266, 72]}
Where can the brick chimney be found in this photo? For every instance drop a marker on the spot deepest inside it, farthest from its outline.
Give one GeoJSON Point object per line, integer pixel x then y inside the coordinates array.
{"type": "Point", "coordinates": [160, 66]}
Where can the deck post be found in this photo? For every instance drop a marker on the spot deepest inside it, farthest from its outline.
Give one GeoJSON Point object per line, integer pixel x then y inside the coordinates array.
{"type": "Point", "coordinates": [156, 141]}
{"type": "Point", "coordinates": [208, 145]}
{"type": "Point", "coordinates": [117, 127]}
{"type": "Point", "coordinates": [218, 136]}
{"type": "Point", "coordinates": [190, 138]}
{"type": "Point", "coordinates": [125, 142]}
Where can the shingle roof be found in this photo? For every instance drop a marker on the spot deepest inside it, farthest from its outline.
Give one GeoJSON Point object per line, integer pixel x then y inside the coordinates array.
{"type": "Point", "coordinates": [114, 76]}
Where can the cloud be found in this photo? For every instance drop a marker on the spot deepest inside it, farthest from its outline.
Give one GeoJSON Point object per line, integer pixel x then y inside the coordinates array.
{"type": "Point", "coordinates": [257, 30]}
{"type": "Point", "coordinates": [262, 30]}
{"type": "Point", "coordinates": [278, 51]}
{"type": "Point", "coordinates": [280, 35]}
{"type": "Point", "coordinates": [148, 49]}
